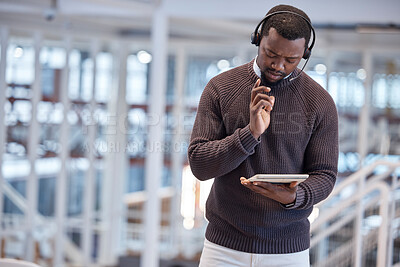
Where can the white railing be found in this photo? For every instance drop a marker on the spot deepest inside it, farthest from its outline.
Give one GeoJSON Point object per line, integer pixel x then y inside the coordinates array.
{"type": "Point", "coordinates": [372, 187]}
{"type": "Point", "coordinates": [13, 223]}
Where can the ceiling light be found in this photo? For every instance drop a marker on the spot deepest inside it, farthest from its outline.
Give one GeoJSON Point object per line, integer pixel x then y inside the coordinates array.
{"type": "Point", "coordinates": [18, 52]}
{"type": "Point", "coordinates": [361, 74]}
{"type": "Point", "coordinates": [320, 69]}
{"type": "Point", "coordinates": [223, 64]}
{"type": "Point", "coordinates": [144, 57]}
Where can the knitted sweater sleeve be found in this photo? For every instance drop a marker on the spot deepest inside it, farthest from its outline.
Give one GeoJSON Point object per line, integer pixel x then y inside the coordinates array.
{"type": "Point", "coordinates": [211, 151]}
{"type": "Point", "coordinates": [321, 158]}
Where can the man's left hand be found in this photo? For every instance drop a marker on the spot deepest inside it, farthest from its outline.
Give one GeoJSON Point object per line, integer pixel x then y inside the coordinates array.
{"type": "Point", "coordinates": [283, 193]}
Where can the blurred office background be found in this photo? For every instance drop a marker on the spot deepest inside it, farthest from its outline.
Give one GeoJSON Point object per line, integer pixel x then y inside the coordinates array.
{"type": "Point", "coordinates": [97, 102]}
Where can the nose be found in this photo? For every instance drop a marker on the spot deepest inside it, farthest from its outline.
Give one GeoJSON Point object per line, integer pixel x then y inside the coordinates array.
{"type": "Point", "coordinates": [278, 65]}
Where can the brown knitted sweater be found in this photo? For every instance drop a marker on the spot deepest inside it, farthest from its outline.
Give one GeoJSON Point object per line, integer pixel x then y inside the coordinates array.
{"type": "Point", "coordinates": [302, 138]}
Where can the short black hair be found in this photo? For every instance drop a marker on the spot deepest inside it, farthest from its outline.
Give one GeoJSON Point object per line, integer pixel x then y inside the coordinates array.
{"type": "Point", "coordinates": [289, 26]}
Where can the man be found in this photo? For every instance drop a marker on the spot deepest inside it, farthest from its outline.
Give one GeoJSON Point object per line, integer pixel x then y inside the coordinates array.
{"type": "Point", "coordinates": [265, 117]}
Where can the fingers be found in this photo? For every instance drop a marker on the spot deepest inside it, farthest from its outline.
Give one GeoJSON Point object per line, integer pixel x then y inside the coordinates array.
{"type": "Point", "coordinates": [252, 185]}
{"type": "Point", "coordinates": [257, 89]}
{"type": "Point", "coordinates": [244, 181]}
{"type": "Point", "coordinates": [266, 185]}
{"type": "Point", "coordinates": [247, 183]}
{"type": "Point", "coordinates": [258, 189]}
{"type": "Point", "coordinates": [269, 186]}
{"type": "Point", "coordinates": [283, 193]}
{"type": "Point", "coordinates": [258, 82]}
{"type": "Point", "coordinates": [262, 101]}
{"type": "Point", "coordinates": [263, 90]}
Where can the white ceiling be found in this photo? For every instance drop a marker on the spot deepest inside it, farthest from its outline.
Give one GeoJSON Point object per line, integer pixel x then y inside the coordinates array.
{"type": "Point", "coordinates": [322, 11]}
{"type": "Point", "coordinates": [219, 21]}
{"type": "Point", "coordinates": [129, 12]}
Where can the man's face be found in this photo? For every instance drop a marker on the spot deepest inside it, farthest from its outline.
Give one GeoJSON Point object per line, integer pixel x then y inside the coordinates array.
{"type": "Point", "coordinates": [278, 57]}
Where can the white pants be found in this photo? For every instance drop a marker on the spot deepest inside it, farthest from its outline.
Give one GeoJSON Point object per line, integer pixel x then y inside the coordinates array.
{"type": "Point", "coordinates": [214, 255]}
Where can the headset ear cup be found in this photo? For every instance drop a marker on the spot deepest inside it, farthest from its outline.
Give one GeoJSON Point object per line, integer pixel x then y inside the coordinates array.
{"type": "Point", "coordinates": [307, 53]}
{"type": "Point", "coordinates": [255, 39]}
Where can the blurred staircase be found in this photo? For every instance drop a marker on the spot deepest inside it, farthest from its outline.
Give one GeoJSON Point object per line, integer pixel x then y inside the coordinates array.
{"type": "Point", "coordinates": [15, 231]}
{"type": "Point", "coordinates": [358, 224]}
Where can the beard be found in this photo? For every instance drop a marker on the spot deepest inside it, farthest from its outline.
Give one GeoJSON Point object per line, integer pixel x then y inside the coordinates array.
{"type": "Point", "coordinates": [266, 82]}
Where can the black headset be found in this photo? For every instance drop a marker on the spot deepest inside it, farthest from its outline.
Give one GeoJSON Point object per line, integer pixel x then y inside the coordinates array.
{"type": "Point", "coordinates": [256, 36]}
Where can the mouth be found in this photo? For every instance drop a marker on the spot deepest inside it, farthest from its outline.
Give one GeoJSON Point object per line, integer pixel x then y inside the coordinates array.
{"type": "Point", "coordinates": [273, 76]}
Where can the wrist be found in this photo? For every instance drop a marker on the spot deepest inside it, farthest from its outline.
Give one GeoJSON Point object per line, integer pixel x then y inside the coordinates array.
{"type": "Point", "coordinates": [256, 136]}
{"type": "Point", "coordinates": [291, 204]}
